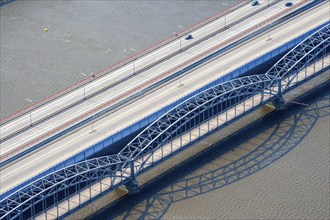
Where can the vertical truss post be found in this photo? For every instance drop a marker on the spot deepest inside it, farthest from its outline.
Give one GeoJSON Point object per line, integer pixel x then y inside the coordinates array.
{"type": "Point", "coordinates": [79, 193]}
{"type": "Point", "coordinates": [314, 61]}
{"type": "Point", "coordinates": [32, 210]}
{"type": "Point", "coordinates": [132, 185]}
{"type": "Point", "coordinates": [131, 164]}
{"type": "Point", "coordinates": [323, 56]}
{"type": "Point", "coordinates": [278, 100]}
{"type": "Point", "coordinates": [181, 140]}
{"type": "Point", "coordinates": [56, 204]}
{"type": "Point", "coordinates": [44, 205]}
{"type": "Point", "coordinates": [262, 93]}
{"type": "Point", "coordinates": [279, 87]}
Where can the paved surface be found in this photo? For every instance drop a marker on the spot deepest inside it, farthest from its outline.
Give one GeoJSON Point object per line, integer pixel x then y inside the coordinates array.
{"type": "Point", "coordinates": [56, 152]}
{"type": "Point", "coordinates": [124, 87]}
{"type": "Point", "coordinates": [85, 37]}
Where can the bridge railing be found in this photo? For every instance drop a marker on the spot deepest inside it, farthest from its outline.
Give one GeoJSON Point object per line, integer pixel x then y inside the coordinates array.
{"type": "Point", "coordinates": [61, 128]}
{"type": "Point", "coordinates": [121, 63]}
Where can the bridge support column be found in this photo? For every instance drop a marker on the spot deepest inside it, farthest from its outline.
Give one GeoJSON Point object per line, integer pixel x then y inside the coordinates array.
{"type": "Point", "coordinates": [279, 102]}
{"type": "Point", "coordinates": [133, 185]}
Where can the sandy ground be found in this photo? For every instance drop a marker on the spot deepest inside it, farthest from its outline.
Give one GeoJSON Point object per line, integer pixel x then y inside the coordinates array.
{"type": "Point", "coordinates": [278, 170]}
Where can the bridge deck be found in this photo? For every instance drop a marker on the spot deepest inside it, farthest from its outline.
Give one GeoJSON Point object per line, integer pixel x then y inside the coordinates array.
{"type": "Point", "coordinates": [88, 107]}
{"type": "Point", "coordinates": [78, 141]}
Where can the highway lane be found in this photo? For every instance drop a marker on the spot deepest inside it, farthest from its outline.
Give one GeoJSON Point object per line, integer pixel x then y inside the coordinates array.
{"type": "Point", "coordinates": [80, 140]}
{"type": "Point", "coordinates": [64, 117]}
{"type": "Point", "coordinates": [105, 81]}
{"type": "Point", "coordinates": [114, 76]}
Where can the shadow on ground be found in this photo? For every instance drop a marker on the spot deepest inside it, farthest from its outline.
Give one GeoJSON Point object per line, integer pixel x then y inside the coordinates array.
{"type": "Point", "coordinates": [286, 130]}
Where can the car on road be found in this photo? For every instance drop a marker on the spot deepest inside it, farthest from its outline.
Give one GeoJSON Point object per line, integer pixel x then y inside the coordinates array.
{"type": "Point", "coordinates": [188, 37]}
{"type": "Point", "coordinates": [288, 4]}
{"type": "Point", "coordinates": [255, 2]}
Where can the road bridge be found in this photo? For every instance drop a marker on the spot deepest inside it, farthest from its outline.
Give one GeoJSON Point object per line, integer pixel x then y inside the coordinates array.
{"type": "Point", "coordinates": [28, 167]}
{"type": "Point", "coordinates": [55, 152]}
{"type": "Point", "coordinates": [257, 44]}
{"type": "Point", "coordinates": [192, 119]}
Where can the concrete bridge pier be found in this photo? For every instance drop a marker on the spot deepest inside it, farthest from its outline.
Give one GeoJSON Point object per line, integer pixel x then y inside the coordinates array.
{"type": "Point", "coordinates": [132, 186]}
{"type": "Point", "coordinates": [278, 102]}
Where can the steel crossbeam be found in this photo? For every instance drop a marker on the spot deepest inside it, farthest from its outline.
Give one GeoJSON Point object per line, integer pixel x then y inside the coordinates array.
{"type": "Point", "coordinates": [168, 133]}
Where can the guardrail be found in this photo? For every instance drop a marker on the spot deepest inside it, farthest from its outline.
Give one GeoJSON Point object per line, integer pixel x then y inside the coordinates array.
{"type": "Point", "coordinates": [146, 84]}
{"type": "Point", "coordinates": [137, 71]}
{"type": "Point", "coordinates": [121, 63]}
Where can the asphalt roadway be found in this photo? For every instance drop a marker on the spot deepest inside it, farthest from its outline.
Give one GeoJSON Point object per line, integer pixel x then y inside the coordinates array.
{"type": "Point", "coordinates": [80, 140]}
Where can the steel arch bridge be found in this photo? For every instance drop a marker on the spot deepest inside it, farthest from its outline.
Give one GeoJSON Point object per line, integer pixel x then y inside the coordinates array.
{"type": "Point", "coordinates": [285, 136]}
{"type": "Point", "coordinates": [189, 121]}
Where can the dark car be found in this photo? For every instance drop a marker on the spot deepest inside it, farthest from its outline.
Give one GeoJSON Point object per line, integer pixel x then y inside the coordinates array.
{"type": "Point", "coordinates": [188, 37]}
{"type": "Point", "coordinates": [288, 4]}
{"type": "Point", "coordinates": [255, 2]}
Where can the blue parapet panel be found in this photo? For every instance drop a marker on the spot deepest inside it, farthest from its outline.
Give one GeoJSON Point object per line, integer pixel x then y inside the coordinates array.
{"type": "Point", "coordinates": [135, 127]}
{"type": "Point", "coordinates": [108, 141]}
{"type": "Point", "coordinates": [116, 137]}
{"type": "Point", "coordinates": [267, 56]}
{"type": "Point", "coordinates": [153, 117]}
{"type": "Point", "coordinates": [89, 152]}
{"type": "Point", "coordinates": [125, 132]}
{"type": "Point", "coordinates": [99, 147]}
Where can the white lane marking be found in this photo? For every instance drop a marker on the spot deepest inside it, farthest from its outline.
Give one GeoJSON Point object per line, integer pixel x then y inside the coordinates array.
{"type": "Point", "coordinates": [96, 83]}
{"type": "Point", "coordinates": [63, 149]}
{"type": "Point", "coordinates": [126, 88]}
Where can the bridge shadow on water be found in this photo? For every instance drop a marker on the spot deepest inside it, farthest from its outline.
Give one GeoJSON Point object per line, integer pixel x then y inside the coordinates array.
{"type": "Point", "coordinates": [228, 161]}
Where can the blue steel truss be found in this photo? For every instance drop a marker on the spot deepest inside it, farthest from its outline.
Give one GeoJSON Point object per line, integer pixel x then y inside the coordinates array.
{"type": "Point", "coordinates": [194, 111]}
{"type": "Point", "coordinates": [306, 52]}
{"type": "Point", "coordinates": [200, 113]}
